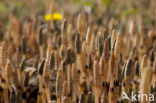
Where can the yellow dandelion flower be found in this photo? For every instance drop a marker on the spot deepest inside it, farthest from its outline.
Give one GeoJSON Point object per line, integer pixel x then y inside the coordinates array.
{"type": "Point", "coordinates": [57, 16]}
{"type": "Point", "coordinates": [48, 17]}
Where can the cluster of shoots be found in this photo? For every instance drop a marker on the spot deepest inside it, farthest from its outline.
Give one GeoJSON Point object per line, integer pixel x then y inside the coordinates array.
{"type": "Point", "coordinates": [77, 62]}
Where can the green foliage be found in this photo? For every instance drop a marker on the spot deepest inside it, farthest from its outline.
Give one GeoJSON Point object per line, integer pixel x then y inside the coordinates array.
{"type": "Point", "coordinates": [128, 12]}
{"type": "Point", "coordinates": [106, 2]}
{"type": "Point", "coordinates": [19, 4]}
{"type": "Point", "coordinates": [2, 7]}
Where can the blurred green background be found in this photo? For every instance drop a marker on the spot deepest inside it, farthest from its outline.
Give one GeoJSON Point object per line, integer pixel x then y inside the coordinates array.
{"type": "Point", "coordinates": [110, 8]}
